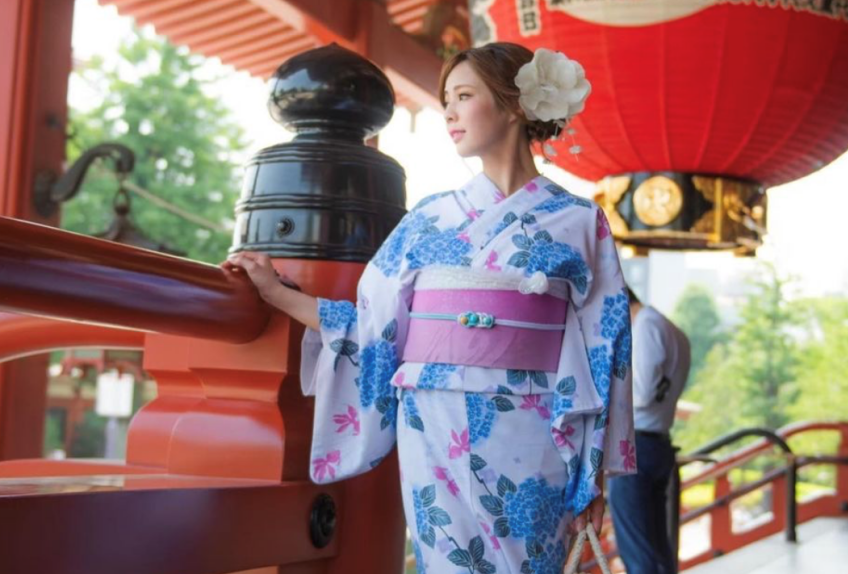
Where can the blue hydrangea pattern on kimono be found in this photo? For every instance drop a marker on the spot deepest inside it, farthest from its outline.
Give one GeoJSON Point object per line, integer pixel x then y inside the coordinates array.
{"type": "Point", "coordinates": [549, 559]}
{"type": "Point", "coordinates": [534, 510]}
{"type": "Point", "coordinates": [410, 412]}
{"type": "Point", "coordinates": [478, 446]}
{"type": "Point", "coordinates": [508, 220]}
{"type": "Point", "coordinates": [561, 199]}
{"type": "Point", "coordinates": [519, 378]}
{"type": "Point", "coordinates": [615, 327]}
{"type": "Point", "coordinates": [585, 493]}
{"type": "Point", "coordinates": [426, 533]}
{"type": "Point", "coordinates": [481, 416]}
{"type": "Point", "coordinates": [431, 198]}
{"type": "Point", "coordinates": [444, 248]}
{"type": "Point", "coordinates": [339, 316]}
{"type": "Point", "coordinates": [336, 315]}
{"type": "Point", "coordinates": [389, 256]}
{"type": "Point", "coordinates": [419, 558]}
{"type": "Point", "coordinates": [563, 397]}
{"type": "Point", "coordinates": [554, 259]}
{"type": "Point", "coordinates": [435, 375]}
{"type": "Point", "coordinates": [378, 362]}
{"type": "Point", "coordinates": [599, 361]}
{"type": "Point", "coordinates": [478, 538]}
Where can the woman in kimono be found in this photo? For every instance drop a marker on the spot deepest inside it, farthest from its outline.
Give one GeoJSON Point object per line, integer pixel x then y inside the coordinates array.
{"type": "Point", "coordinates": [490, 338]}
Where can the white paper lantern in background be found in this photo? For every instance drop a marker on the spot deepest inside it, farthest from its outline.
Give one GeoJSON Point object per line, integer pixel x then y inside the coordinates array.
{"type": "Point", "coordinates": [114, 394]}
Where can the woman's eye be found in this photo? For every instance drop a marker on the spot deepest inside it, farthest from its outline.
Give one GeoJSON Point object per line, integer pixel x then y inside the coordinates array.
{"type": "Point", "coordinates": [464, 96]}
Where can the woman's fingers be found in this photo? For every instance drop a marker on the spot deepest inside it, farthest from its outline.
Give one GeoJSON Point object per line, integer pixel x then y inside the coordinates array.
{"type": "Point", "coordinates": [258, 258]}
{"type": "Point", "coordinates": [578, 523]}
{"type": "Point", "coordinates": [247, 260]}
{"type": "Point", "coordinates": [598, 516]}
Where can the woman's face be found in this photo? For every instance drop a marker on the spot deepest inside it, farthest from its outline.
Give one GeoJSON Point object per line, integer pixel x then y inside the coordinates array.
{"type": "Point", "coordinates": [474, 121]}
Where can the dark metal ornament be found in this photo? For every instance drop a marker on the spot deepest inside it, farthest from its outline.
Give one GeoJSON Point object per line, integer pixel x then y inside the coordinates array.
{"type": "Point", "coordinates": [51, 191]}
{"type": "Point", "coordinates": [325, 194]}
{"type": "Point", "coordinates": [673, 210]}
{"type": "Point", "coordinates": [322, 521]}
{"type": "Point", "coordinates": [123, 230]}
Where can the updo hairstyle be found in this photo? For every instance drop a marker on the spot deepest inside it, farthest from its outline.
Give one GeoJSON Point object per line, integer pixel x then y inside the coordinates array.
{"type": "Point", "coordinates": [497, 64]}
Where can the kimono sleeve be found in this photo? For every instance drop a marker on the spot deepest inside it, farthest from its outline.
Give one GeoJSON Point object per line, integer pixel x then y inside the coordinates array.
{"type": "Point", "coordinates": [592, 422]}
{"type": "Point", "coordinates": [349, 366]}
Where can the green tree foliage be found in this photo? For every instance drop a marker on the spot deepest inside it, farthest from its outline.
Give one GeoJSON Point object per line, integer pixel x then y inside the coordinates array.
{"type": "Point", "coordinates": [696, 315]}
{"type": "Point", "coordinates": [152, 100]}
{"type": "Point", "coordinates": [822, 373]}
{"type": "Point", "coordinates": [718, 395]}
{"type": "Point", "coordinates": [89, 437]}
{"type": "Point", "coordinates": [750, 380]}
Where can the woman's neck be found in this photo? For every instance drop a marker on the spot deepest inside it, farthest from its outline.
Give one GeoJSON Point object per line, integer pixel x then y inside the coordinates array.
{"type": "Point", "coordinates": [510, 166]}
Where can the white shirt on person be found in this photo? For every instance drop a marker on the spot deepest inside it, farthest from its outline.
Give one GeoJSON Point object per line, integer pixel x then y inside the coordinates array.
{"type": "Point", "coordinates": [661, 360]}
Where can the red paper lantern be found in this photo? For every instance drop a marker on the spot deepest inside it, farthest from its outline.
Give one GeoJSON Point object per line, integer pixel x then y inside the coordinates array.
{"type": "Point", "coordinates": [749, 89]}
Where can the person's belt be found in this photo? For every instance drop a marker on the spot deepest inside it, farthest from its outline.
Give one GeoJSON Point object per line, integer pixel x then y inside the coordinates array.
{"type": "Point", "coordinates": [486, 327]}
{"type": "Point", "coordinates": [654, 434]}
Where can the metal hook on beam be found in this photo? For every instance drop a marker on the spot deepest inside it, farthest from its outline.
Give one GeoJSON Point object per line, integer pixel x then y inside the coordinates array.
{"type": "Point", "coordinates": [49, 192]}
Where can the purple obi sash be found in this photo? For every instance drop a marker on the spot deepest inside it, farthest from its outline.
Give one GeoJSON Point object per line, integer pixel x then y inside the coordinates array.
{"type": "Point", "coordinates": [463, 327]}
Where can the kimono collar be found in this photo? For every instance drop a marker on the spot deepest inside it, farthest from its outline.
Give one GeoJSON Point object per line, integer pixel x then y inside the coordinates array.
{"type": "Point", "coordinates": [487, 198]}
{"type": "Point", "coordinates": [483, 193]}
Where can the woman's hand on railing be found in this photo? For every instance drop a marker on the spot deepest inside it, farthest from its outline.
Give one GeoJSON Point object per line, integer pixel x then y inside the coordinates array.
{"type": "Point", "coordinates": [258, 268]}
{"type": "Point", "coordinates": [278, 291]}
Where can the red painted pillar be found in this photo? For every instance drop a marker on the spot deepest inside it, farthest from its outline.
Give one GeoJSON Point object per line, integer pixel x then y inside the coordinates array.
{"type": "Point", "coordinates": [35, 61]}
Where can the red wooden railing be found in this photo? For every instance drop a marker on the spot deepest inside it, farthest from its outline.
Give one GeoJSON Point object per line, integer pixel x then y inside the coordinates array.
{"type": "Point", "coordinates": [229, 431]}
{"type": "Point", "coordinates": [786, 510]}
{"type": "Point", "coordinates": [216, 472]}
{"type": "Point", "coordinates": [49, 272]}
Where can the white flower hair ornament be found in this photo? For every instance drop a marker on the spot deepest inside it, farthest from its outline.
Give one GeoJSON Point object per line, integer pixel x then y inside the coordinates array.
{"type": "Point", "coordinates": [553, 88]}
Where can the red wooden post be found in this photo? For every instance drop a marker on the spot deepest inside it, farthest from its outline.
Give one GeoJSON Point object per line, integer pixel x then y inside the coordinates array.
{"type": "Point", "coordinates": [35, 61]}
{"type": "Point", "coordinates": [721, 522]}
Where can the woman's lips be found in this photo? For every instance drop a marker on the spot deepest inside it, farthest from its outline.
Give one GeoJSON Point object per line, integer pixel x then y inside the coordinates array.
{"type": "Point", "coordinates": [456, 135]}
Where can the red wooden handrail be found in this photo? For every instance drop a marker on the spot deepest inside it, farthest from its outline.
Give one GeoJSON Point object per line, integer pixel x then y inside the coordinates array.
{"type": "Point", "coordinates": [24, 335]}
{"type": "Point", "coordinates": [746, 453]}
{"type": "Point", "coordinates": [55, 273]}
{"type": "Point", "coordinates": [722, 537]}
{"type": "Point", "coordinates": [786, 511]}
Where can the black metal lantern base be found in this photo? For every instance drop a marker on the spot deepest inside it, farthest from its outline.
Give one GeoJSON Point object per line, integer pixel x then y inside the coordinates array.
{"type": "Point", "coordinates": [324, 195]}
{"type": "Point", "coordinates": [672, 210]}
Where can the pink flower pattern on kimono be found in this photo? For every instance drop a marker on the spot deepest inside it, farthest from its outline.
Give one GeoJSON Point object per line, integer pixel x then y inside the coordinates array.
{"type": "Point", "coordinates": [492, 538]}
{"type": "Point", "coordinates": [628, 451]}
{"type": "Point", "coordinates": [443, 474]}
{"type": "Point", "coordinates": [531, 402]}
{"type": "Point", "coordinates": [561, 437]}
{"type": "Point", "coordinates": [491, 261]}
{"type": "Point", "coordinates": [348, 419]}
{"type": "Point", "coordinates": [531, 187]}
{"type": "Point", "coordinates": [529, 231]}
{"type": "Point", "coordinates": [401, 383]}
{"type": "Point", "coordinates": [459, 444]}
{"type": "Point", "coordinates": [603, 226]}
{"type": "Point", "coordinates": [324, 466]}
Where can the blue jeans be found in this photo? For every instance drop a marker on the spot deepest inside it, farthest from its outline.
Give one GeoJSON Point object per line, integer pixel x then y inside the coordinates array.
{"type": "Point", "coordinates": [638, 504]}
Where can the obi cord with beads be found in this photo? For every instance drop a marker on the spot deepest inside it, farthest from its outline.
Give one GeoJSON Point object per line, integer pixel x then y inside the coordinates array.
{"type": "Point", "coordinates": [490, 340]}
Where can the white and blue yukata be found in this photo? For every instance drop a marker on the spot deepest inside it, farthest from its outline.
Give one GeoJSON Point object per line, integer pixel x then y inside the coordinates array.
{"type": "Point", "coordinates": [494, 461]}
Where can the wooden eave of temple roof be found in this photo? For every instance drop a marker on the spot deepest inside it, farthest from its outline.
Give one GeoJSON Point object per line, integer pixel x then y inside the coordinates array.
{"type": "Point", "coordinates": [256, 36]}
